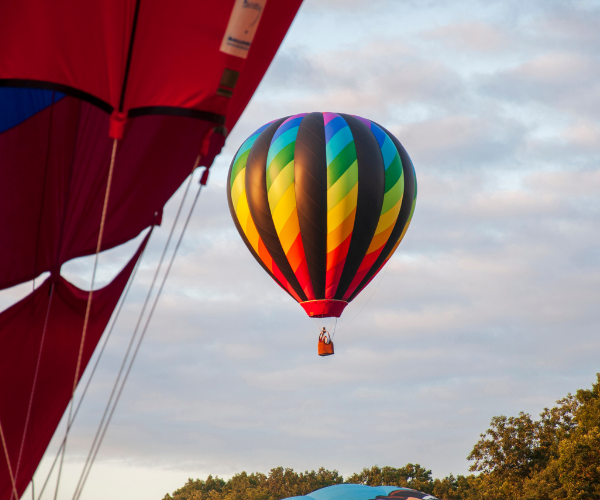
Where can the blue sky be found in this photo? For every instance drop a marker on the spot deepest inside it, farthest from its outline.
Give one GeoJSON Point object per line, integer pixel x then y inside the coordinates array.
{"type": "Point", "coordinates": [489, 307]}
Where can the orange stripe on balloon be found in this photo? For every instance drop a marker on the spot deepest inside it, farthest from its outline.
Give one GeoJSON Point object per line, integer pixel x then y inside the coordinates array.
{"type": "Point", "coordinates": [252, 233]}
{"type": "Point", "coordinates": [379, 240]}
{"type": "Point", "coordinates": [265, 256]}
{"type": "Point", "coordinates": [289, 232]}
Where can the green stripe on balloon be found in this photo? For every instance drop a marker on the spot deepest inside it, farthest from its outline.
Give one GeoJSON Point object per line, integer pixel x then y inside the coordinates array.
{"type": "Point", "coordinates": [340, 164]}
{"type": "Point", "coordinates": [279, 162]}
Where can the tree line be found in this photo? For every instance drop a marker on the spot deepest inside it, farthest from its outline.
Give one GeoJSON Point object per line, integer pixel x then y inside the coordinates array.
{"type": "Point", "coordinates": [554, 457]}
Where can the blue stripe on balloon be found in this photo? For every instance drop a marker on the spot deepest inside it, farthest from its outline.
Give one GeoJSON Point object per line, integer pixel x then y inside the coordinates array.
{"type": "Point", "coordinates": [379, 134]}
{"type": "Point", "coordinates": [19, 104]}
{"type": "Point", "coordinates": [248, 143]}
{"type": "Point", "coordinates": [281, 142]}
{"type": "Point", "coordinates": [349, 492]}
{"type": "Point", "coordinates": [389, 152]}
{"type": "Point", "coordinates": [338, 142]}
{"type": "Point", "coordinates": [333, 127]}
{"type": "Point", "coordinates": [291, 122]}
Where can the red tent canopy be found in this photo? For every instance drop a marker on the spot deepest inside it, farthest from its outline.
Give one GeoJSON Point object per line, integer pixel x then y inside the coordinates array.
{"type": "Point", "coordinates": [150, 56]}
{"type": "Point", "coordinates": [168, 80]}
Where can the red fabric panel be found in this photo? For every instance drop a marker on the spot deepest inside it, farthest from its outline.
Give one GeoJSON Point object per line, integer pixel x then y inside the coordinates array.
{"type": "Point", "coordinates": [155, 156]}
{"type": "Point", "coordinates": [176, 59]}
{"type": "Point", "coordinates": [34, 190]}
{"type": "Point", "coordinates": [53, 177]}
{"type": "Point", "coordinates": [21, 329]}
{"type": "Point", "coordinates": [274, 24]}
{"type": "Point", "coordinates": [54, 165]}
{"type": "Point", "coordinates": [324, 308]}
{"type": "Point", "coordinates": [79, 44]}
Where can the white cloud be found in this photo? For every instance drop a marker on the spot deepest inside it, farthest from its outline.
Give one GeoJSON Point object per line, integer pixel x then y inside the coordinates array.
{"type": "Point", "coordinates": [476, 36]}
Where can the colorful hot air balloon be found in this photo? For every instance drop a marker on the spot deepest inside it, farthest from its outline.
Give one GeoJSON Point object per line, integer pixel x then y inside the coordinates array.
{"type": "Point", "coordinates": [364, 492]}
{"type": "Point", "coordinates": [322, 201]}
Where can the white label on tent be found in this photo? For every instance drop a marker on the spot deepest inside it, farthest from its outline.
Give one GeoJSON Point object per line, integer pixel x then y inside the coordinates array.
{"type": "Point", "coordinates": [241, 28]}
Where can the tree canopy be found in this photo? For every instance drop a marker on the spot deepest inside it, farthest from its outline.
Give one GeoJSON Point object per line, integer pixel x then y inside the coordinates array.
{"type": "Point", "coordinates": [556, 457]}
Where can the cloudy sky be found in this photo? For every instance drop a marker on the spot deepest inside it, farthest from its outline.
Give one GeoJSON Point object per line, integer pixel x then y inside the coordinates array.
{"type": "Point", "coordinates": [489, 307]}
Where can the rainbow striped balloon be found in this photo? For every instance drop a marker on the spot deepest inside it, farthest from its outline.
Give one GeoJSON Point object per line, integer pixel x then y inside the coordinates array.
{"type": "Point", "coordinates": [322, 200]}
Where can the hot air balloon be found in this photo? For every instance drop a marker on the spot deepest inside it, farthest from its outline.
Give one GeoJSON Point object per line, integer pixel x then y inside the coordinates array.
{"type": "Point", "coordinates": [364, 492]}
{"type": "Point", "coordinates": [322, 201]}
{"type": "Point", "coordinates": [106, 107]}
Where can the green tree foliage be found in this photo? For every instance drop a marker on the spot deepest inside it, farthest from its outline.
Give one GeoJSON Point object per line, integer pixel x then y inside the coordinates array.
{"type": "Point", "coordinates": [556, 457]}
{"type": "Point", "coordinates": [457, 488]}
{"type": "Point", "coordinates": [409, 476]}
{"type": "Point", "coordinates": [198, 489]}
{"type": "Point", "coordinates": [280, 483]}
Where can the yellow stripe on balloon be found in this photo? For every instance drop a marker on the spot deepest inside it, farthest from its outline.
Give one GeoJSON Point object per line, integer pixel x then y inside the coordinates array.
{"type": "Point", "coordinates": [284, 209]}
{"type": "Point", "coordinates": [280, 185]}
{"type": "Point", "coordinates": [336, 236]}
{"type": "Point", "coordinates": [242, 210]}
{"type": "Point", "coordinates": [238, 187]}
{"type": "Point", "coordinates": [403, 233]}
{"type": "Point", "coordinates": [341, 211]}
{"type": "Point", "coordinates": [252, 234]}
{"type": "Point", "coordinates": [389, 218]}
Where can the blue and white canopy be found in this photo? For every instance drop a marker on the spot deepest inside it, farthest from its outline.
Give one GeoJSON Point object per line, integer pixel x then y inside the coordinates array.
{"type": "Point", "coordinates": [363, 492]}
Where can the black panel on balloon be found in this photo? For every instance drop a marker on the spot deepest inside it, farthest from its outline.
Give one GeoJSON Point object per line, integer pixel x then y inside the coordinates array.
{"type": "Point", "coordinates": [405, 209]}
{"type": "Point", "coordinates": [243, 234]}
{"type": "Point", "coordinates": [371, 190]}
{"type": "Point", "coordinates": [310, 178]}
{"type": "Point", "coordinates": [258, 201]}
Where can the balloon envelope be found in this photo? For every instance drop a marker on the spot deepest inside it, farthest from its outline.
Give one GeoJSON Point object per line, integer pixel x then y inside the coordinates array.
{"type": "Point", "coordinates": [322, 201]}
{"type": "Point", "coordinates": [364, 492]}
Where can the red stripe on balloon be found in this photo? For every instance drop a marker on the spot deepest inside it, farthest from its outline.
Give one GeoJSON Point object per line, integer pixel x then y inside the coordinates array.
{"type": "Point", "coordinates": [335, 265]}
{"type": "Point", "coordinates": [364, 268]}
{"type": "Point", "coordinates": [376, 273]}
{"type": "Point", "coordinates": [297, 259]}
{"type": "Point", "coordinates": [283, 282]}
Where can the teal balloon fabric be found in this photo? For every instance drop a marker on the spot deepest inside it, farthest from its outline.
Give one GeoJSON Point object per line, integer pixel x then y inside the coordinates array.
{"type": "Point", "coordinates": [363, 492]}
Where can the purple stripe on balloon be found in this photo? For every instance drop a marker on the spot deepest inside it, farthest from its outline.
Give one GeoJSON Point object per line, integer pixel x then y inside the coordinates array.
{"type": "Point", "coordinates": [334, 125]}
{"type": "Point", "coordinates": [364, 120]}
{"type": "Point", "coordinates": [327, 117]}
